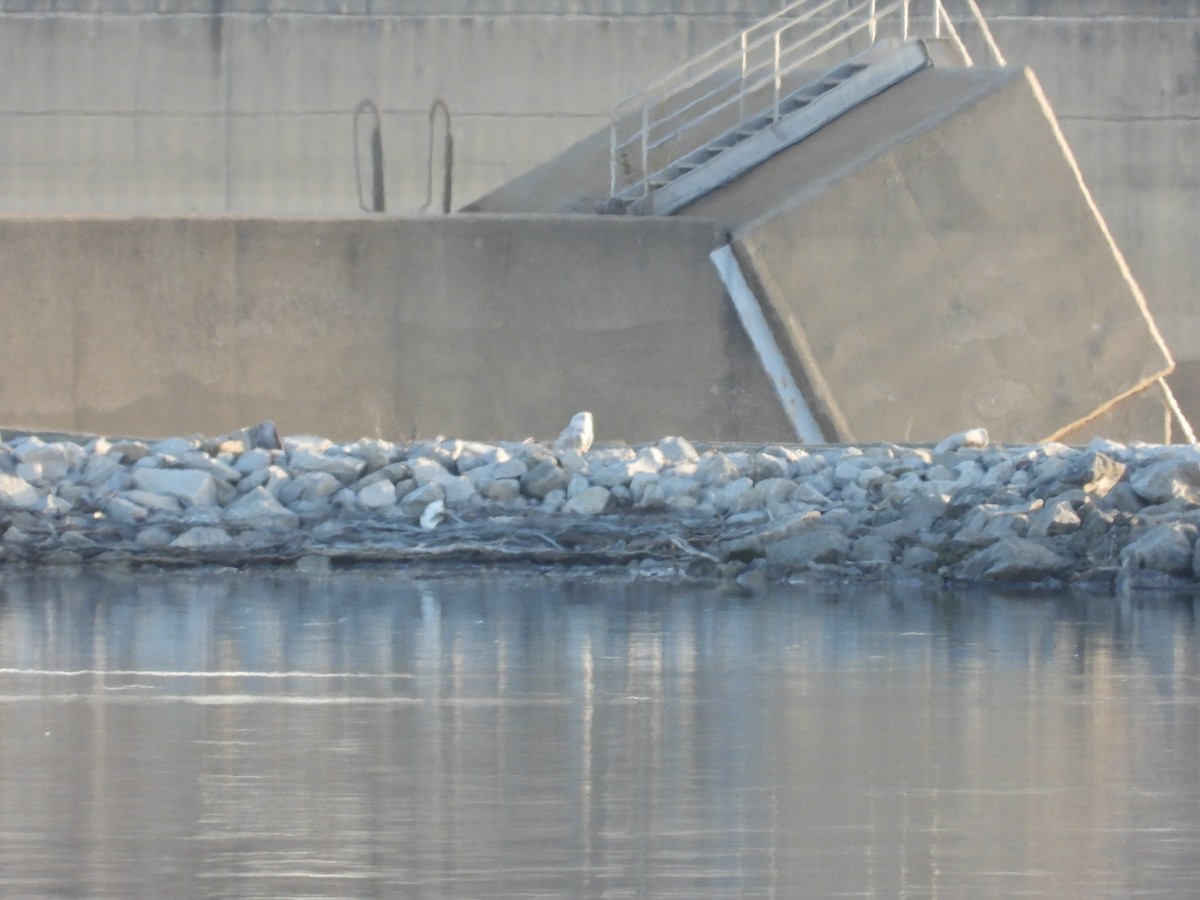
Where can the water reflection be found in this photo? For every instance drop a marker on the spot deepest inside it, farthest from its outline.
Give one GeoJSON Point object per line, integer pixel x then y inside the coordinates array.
{"type": "Point", "coordinates": [372, 734]}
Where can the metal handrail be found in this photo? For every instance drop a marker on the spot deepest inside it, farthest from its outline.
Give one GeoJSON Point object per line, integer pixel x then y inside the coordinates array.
{"type": "Point", "coordinates": [666, 110]}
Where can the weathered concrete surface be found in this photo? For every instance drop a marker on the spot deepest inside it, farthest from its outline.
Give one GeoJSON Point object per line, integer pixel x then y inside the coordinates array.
{"type": "Point", "coordinates": [936, 265]}
{"type": "Point", "coordinates": [483, 326]}
{"type": "Point", "coordinates": [244, 106]}
{"type": "Point", "coordinates": [1142, 416]}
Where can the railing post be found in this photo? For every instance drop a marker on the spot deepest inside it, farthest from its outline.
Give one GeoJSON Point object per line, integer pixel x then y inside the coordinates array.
{"type": "Point", "coordinates": [646, 151]}
{"type": "Point", "coordinates": [904, 20]}
{"type": "Point", "coordinates": [873, 25]}
{"type": "Point", "coordinates": [778, 79]}
{"type": "Point", "coordinates": [937, 18]}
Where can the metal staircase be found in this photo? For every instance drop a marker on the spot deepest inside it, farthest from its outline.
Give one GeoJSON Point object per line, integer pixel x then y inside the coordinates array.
{"type": "Point", "coordinates": [764, 90]}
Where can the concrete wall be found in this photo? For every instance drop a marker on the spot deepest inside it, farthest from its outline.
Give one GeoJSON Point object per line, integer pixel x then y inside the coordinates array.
{"type": "Point", "coordinates": [247, 107]}
{"type": "Point", "coordinates": [474, 326]}
{"type": "Point", "coordinates": [244, 106]}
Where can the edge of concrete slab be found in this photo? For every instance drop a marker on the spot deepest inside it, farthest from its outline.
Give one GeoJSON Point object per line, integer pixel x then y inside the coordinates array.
{"type": "Point", "coordinates": [1134, 288]}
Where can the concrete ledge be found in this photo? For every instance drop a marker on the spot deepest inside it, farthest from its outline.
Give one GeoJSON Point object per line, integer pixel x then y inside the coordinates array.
{"type": "Point", "coordinates": [483, 326]}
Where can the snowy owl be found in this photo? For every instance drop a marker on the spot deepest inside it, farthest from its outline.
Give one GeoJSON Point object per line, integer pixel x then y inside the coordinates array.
{"type": "Point", "coordinates": [578, 435]}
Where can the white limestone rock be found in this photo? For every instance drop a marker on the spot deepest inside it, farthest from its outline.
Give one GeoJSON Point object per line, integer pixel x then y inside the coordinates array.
{"type": "Point", "coordinates": [425, 470]}
{"type": "Point", "coordinates": [475, 454]}
{"type": "Point", "coordinates": [202, 462]}
{"type": "Point", "coordinates": [675, 484]}
{"type": "Point", "coordinates": [189, 486]}
{"type": "Point", "coordinates": [484, 474]}
{"type": "Point", "coordinates": [380, 495]}
{"type": "Point", "coordinates": [974, 438]}
{"type": "Point", "coordinates": [309, 487]}
{"type": "Point", "coordinates": [201, 515]}
{"type": "Point", "coordinates": [253, 460]}
{"type": "Point", "coordinates": [17, 493]}
{"type": "Point", "coordinates": [374, 452]}
{"type": "Point", "coordinates": [257, 478]}
{"type": "Point", "coordinates": [544, 477]}
{"type": "Point", "coordinates": [50, 461]}
{"type": "Point", "coordinates": [124, 511]}
{"type": "Point", "coordinates": [1176, 475]}
{"type": "Point", "coordinates": [1094, 472]}
{"type": "Point", "coordinates": [919, 559]}
{"type": "Point", "coordinates": [153, 536]}
{"type": "Point", "coordinates": [576, 486]}
{"type": "Point", "coordinates": [819, 544]}
{"type": "Point", "coordinates": [259, 509]}
{"type": "Point", "coordinates": [590, 502]}
{"type": "Point", "coordinates": [174, 447]}
{"type": "Point", "coordinates": [51, 505]}
{"type": "Point", "coordinates": [342, 467]}
{"type": "Point", "coordinates": [1056, 517]}
{"type": "Point", "coordinates": [277, 479]}
{"type": "Point", "coordinates": [769, 465]}
{"type": "Point", "coordinates": [1013, 559]}
{"type": "Point", "coordinates": [161, 503]}
{"type": "Point", "coordinates": [1164, 548]}
{"type": "Point", "coordinates": [104, 470]}
{"type": "Point", "coordinates": [871, 549]}
{"type": "Point", "coordinates": [717, 469]}
{"type": "Point", "coordinates": [414, 502]}
{"type": "Point", "coordinates": [307, 443]}
{"type": "Point", "coordinates": [677, 450]}
{"type": "Point", "coordinates": [129, 452]}
{"type": "Point", "coordinates": [736, 497]}
{"type": "Point", "coordinates": [202, 537]}
{"type": "Point", "coordinates": [458, 489]}
{"type": "Point", "coordinates": [503, 490]}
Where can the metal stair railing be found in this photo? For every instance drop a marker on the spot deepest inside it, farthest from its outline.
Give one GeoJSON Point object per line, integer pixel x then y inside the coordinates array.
{"type": "Point", "coordinates": [750, 75]}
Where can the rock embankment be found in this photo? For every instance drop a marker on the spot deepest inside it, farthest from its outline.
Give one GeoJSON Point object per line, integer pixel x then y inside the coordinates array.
{"type": "Point", "coordinates": [963, 510]}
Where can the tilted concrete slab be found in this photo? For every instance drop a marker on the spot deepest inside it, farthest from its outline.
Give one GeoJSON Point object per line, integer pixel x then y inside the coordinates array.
{"type": "Point", "coordinates": [486, 327]}
{"type": "Point", "coordinates": [933, 261]}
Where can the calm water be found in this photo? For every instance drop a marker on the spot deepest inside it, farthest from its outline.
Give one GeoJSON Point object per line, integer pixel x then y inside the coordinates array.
{"type": "Point", "coordinates": [372, 735]}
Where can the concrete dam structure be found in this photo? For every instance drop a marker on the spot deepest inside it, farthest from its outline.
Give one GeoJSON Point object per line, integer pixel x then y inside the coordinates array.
{"type": "Point", "coordinates": [922, 258]}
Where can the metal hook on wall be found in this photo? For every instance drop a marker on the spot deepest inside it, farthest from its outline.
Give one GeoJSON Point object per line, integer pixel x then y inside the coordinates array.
{"type": "Point", "coordinates": [378, 202]}
{"type": "Point", "coordinates": [447, 157]}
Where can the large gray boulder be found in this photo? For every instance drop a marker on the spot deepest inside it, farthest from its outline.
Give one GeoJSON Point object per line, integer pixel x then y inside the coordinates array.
{"type": "Point", "coordinates": [189, 486]}
{"type": "Point", "coordinates": [1163, 548]}
{"type": "Point", "coordinates": [821, 544]}
{"type": "Point", "coordinates": [258, 508]}
{"type": "Point", "coordinates": [1167, 478]}
{"type": "Point", "coordinates": [1013, 559]}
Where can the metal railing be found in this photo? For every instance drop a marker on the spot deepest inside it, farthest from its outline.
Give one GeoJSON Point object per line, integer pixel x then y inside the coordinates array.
{"type": "Point", "coordinates": [751, 74]}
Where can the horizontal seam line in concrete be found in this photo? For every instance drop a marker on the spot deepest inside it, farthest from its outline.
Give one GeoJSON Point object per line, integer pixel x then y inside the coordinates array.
{"type": "Point", "coordinates": [285, 14]}
{"type": "Point", "coordinates": [993, 18]}
{"type": "Point", "coordinates": [1127, 119]}
{"type": "Point", "coordinates": [252, 114]}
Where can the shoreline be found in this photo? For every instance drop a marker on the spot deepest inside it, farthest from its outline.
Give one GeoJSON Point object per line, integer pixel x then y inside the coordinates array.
{"type": "Point", "coordinates": [962, 512]}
